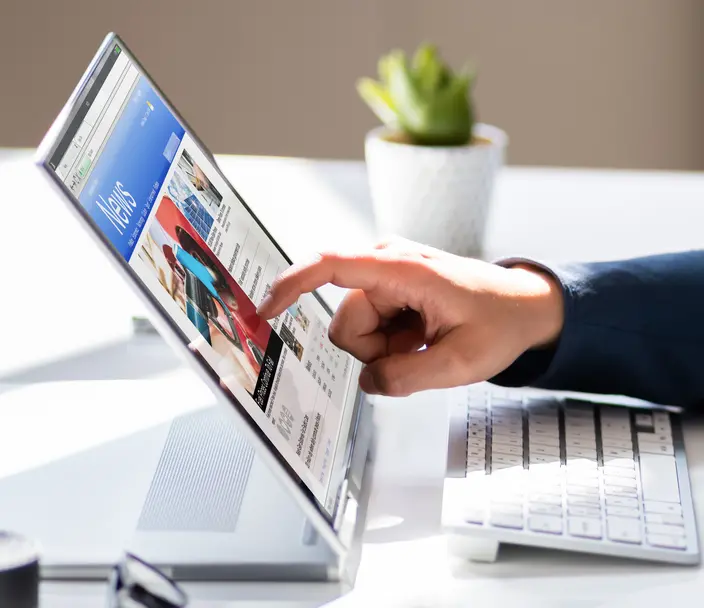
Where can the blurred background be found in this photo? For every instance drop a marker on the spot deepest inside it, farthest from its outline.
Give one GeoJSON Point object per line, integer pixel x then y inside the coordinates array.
{"type": "Point", "coordinates": [574, 83]}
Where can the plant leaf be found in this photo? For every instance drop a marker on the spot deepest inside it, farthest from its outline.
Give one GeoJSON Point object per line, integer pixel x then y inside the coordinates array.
{"type": "Point", "coordinates": [379, 100]}
{"type": "Point", "coordinates": [386, 65]}
{"type": "Point", "coordinates": [468, 73]}
{"type": "Point", "coordinates": [427, 68]}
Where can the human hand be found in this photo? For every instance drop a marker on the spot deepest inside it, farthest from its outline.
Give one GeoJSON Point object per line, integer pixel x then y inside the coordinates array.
{"type": "Point", "coordinates": [474, 318]}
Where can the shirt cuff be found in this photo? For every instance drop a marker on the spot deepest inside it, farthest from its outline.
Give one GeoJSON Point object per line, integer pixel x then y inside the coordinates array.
{"type": "Point", "coordinates": [533, 366]}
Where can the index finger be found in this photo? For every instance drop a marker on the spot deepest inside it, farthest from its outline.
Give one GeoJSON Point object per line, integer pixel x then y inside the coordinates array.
{"type": "Point", "coordinates": [347, 271]}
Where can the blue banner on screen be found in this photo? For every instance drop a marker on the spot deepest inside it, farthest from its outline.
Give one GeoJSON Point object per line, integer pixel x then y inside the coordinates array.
{"type": "Point", "coordinates": [128, 174]}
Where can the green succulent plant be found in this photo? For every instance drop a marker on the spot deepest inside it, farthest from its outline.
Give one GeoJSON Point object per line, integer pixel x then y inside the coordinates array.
{"type": "Point", "coordinates": [422, 99]}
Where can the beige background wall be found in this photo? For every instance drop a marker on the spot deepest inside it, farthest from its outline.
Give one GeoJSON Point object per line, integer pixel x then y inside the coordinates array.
{"type": "Point", "coordinates": [574, 82]}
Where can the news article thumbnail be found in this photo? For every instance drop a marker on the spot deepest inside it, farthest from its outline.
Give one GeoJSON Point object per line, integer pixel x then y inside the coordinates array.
{"type": "Point", "coordinates": [200, 181]}
{"type": "Point", "coordinates": [212, 300]}
{"type": "Point", "coordinates": [190, 205]}
{"type": "Point", "coordinates": [290, 341]}
{"type": "Point", "coordinates": [299, 316]}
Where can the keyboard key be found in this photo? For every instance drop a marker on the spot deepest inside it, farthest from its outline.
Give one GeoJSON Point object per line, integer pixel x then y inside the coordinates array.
{"type": "Point", "coordinates": [584, 527]}
{"type": "Point", "coordinates": [661, 423]}
{"type": "Point", "coordinates": [583, 473]}
{"type": "Point", "coordinates": [611, 471]}
{"type": "Point", "coordinates": [543, 459]}
{"type": "Point", "coordinates": [664, 518]}
{"type": "Point", "coordinates": [550, 440]}
{"type": "Point", "coordinates": [545, 524]}
{"type": "Point", "coordinates": [644, 422]}
{"type": "Point", "coordinates": [623, 512]}
{"type": "Point", "coordinates": [578, 442]}
{"type": "Point", "coordinates": [662, 507]}
{"type": "Point", "coordinates": [475, 516]}
{"type": "Point", "coordinates": [659, 478]}
{"type": "Point", "coordinates": [475, 464]}
{"type": "Point", "coordinates": [582, 490]}
{"type": "Point", "coordinates": [502, 448]}
{"type": "Point", "coordinates": [664, 529]}
{"type": "Point", "coordinates": [507, 412]}
{"type": "Point", "coordinates": [584, 501]}
{"type": "Point", "coordinates": [546, 414]}
{"type": "Point", "coordinates": [624, 530]}
{"type": "Point", "coordinates": [548, 499]}
{"type": "Point", "coordinates": [545, 450]}
{"type": "Point", "coordinates": [507, 432]}
{"type": "Point", "coordinates": [646, 447]}
{"type": "Point", "coordinates": [619, 482]}
{"type": "Point", "coordinates": [477, 435]}
{"type": "Point", "coordinates": [625, 492]}
{"type": "Point", "coordinates": [667, 542]}
{"type": "Point", "coordinates": [546, 488]}
{"type": "Point", "coordinates": [594, 512]}
{"type": "Point", "coordinates": [622, 501]}
{"type": "Point", "coordinates": [616, 453]}
{"type": "Point", "coordinates": [617, 442]}
{"type": "Point", "coordinates": [505, 403]}
{"type": "Point", "coordinates": [503, 520]}
{"type": "Point", "coordinates": [583, 481]}
{"type": "Point", "coordinates": [582, 434]}
{"type": "Point", "coordinates": [620, 463]}
{"type": "Point", "coordinates": [503, 440]}
{"type": "Point", "coordinates": [579, 452]}
{"type": "Point", "coordinates": [580, 463]}
{"type": "Point", "coordinates": [551, 421]}
{"type": "Point", "coordinates": [546, 468]}
{"type": "Point", "coordinates": [543, 509]}
{"type": "Point", "coordinates": [508, 459]}
{"type": "Point", "coordinates": [615, 429]}
{"type": "Point", "coordinates": [661, 418]}
{"type": "Point", "coordinates": [476, 453]}
{"type": "Point", "coordinates": [655, 437]}
{"type": "Point", "coordinates": [543, 417]}
{"type": "Point", "coordinates": [500, 425]}
{"type": "Point", "coordinates": [502, 465]}
{"type": "Point", "coordinates": [506, 507]}
{"type": "Point", "coordinates": [615, 425]}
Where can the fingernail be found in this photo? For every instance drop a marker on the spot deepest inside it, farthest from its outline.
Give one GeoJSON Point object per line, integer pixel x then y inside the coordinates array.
{"type": "Point", "coordinates": [265, 304]}
{"type": "Point", "coordinates": [366, 382]}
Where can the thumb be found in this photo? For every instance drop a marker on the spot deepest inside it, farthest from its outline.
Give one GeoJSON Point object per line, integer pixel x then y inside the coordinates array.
{"type": "Point", "coordinates": [401, 374]}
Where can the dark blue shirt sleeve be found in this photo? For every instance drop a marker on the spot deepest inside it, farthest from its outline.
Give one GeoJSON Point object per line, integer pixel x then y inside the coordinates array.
{"type": "Point", "coordinates": [633, 327]}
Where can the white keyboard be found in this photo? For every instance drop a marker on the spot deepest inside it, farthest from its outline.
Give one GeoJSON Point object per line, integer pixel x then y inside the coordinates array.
{"type": "Point", "coordinates": [570, 475]}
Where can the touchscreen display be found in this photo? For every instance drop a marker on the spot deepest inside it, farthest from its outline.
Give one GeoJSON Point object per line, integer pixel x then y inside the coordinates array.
{"type": "Point", "coordinates": [155, 195]}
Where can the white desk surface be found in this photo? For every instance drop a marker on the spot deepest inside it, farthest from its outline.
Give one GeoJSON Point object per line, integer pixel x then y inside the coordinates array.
{"type": "Point", "coordinates": [551, 214]}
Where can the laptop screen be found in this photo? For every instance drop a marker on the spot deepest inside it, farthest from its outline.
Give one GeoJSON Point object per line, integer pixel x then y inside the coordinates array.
{"type": "Point", "coordinates": [167, 210]}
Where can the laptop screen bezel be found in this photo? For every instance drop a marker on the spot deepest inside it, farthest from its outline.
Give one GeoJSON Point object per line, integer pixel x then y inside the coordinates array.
{"type": "Point", "coordinates": [170, 329]}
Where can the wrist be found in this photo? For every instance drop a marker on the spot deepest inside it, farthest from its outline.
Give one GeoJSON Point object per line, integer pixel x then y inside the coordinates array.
{"type": "Point", "coordinates": [543, 306]}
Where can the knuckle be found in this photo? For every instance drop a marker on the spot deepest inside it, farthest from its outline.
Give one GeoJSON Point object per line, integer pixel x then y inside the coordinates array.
{"type": "Point", "coordinates": [326, 257]}
{"type": "Point", "coordinates": [336, 331]}
{"type": "Point", "coordinates": [275, 285]}
{"type": "Point", "coordinates": [388, 382]}
{"type": "Point", "coordinates": [387, 242]}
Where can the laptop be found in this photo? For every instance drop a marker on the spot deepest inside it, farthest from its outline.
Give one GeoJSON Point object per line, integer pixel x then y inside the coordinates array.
{"type": "Point", "coordinates": [282, 492]}
{"type": "Point", "coordinates": [273, 483]}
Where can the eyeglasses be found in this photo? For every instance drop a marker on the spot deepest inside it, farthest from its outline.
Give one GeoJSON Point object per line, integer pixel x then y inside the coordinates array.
{"type": "Point", "coordinates": [136, 584]}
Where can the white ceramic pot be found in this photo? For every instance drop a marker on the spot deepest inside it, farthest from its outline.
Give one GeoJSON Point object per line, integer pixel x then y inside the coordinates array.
{"type": "Point", "coordinates": [439, 196]}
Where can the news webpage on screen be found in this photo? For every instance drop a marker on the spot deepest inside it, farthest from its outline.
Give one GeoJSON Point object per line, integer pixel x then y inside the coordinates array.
{"type": "Point", "coordinates": [157, 197]}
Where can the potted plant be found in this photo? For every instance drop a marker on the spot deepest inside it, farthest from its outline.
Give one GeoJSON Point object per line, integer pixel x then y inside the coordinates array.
{"type": "Point", "coordinates": [431, 167]}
